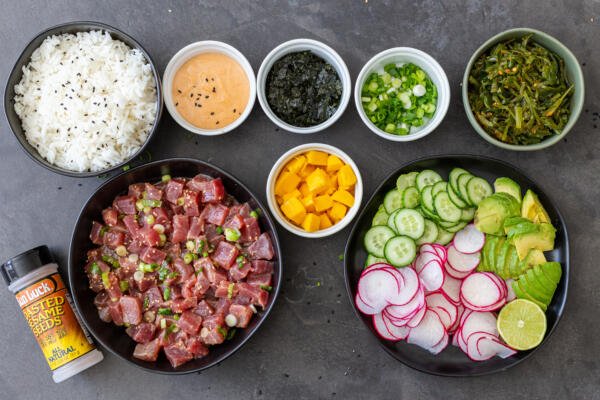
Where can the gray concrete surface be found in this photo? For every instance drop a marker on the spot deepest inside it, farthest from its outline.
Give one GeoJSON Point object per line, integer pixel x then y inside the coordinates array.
{"type": "Point", "coordinates": [313, 346]}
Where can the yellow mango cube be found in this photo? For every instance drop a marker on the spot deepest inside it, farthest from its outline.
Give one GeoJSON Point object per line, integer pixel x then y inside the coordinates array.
{"type": "Point", "coordinates": [311, 222]}
{"type": "Point", "coordinates": [318, 158]}
{"type": "Point", "coordinates": [318, 181]}
{"type": "Point", "coordinates": [334, 163]}
{"type": "Point", "coordinates": [344, 197]}
{"type": "Point", "coordinates": [323, 203]}
{"type": "Point", "coordinates": [309, 203]}
{"type": "Point", "coordinates": [279, 200]}
{"type": "Point", "coordinates": [296, 164]}
{"type": "Point", "coordinates": [304, 189]}
{"type": "Point", "coordinates": [346, 177]}
{"type": "Point", "coordinates": [293, 193]}
{"type": "Point", "coordinates": [286, 183]}
{"type": "Point", "coordinates": [325, 222]}
{"type": "Point", "coordinates": [294, 210]}
{"type": "Point", "coordinates": [306, 170]}
{"type": "Point", "coordinates": [337, 211]}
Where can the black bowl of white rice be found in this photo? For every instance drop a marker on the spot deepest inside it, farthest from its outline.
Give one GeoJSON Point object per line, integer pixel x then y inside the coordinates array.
{"type": "Point", "coordinates": [83, 99]}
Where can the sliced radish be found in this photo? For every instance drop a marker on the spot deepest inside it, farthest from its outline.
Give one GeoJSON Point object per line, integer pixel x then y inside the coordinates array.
{"type": "Point", "coordinates": [476, 321]}
{"type": "Point", "coordinates": [409, 289]}
{"type": "Point", "coordinates": [378, 287]}
{"type": "Point", "coordinates": [432, 276]}
{"type": "Point", "coordinates": [381, 328]}
{"type": "Point", "coordinates": [480, 291]}
{"type": "Point", "coordinates": [423, 259]}
{"type": "Point", "coordinates": [447, 311]}
{"type": "Point", "coordinates": [460, 310]}
{"type": "Point", "coordinates": [451, 288]}
{"type": "Point", "coordinates": [428, 333]}
{"type": "Point", "coordinates": [463, 262]}
{"type": "Point", "coordinates": [363, 307]}
{"type": "Point", "coordinates": [407, 311]}
{"type": "Point", "coordinates": [469, 240]}
{"type": "Point", "coordinates": [474, 351]}
{"type": "Point", "coordinates": [510, 291]}
{"type": "Point", "coordinates": [441, 251]}
{"type": "Point", "coordinates": [416, 320]}
{"type": "Point", "coordinates": [441, 345]}
{"type": "Point", "coordinates": [487, 345]}
{"type": "Point", "coordinates": [454, 273]}
{"type": "Point", "coordinates": [399, 332]}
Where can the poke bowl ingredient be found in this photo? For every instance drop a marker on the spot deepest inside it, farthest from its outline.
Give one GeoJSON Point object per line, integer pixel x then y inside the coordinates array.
{"type": "Point", "coordinates": [519, 92]}
{"type": "Point", "coordinates": [210, 90]}
{"type": "Point", "coordinates": [302, 89]}
{"type": "Point", "coordinates": [522, 324]}
{"type": "Point", "coordinates": [399, 99]}
{"type": "Point", "coordinates": [181, 265]}
{"type": "Point", "coordinates": [315, 190]}
{"type": "Point", "coordinates": [86, 101]}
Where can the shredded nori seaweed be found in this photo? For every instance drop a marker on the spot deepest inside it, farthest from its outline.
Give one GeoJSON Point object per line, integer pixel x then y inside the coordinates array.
{"type": "Point", "coordinates": [303, 89]}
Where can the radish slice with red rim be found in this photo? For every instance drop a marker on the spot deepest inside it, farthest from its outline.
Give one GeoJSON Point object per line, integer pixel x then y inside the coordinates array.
{"type": "Point", "coordinates": [474, 351]}
{"type": "Point", "coordinates": [447, 311]}
{"type": "Point", "coordinates": [378, 287]}
{"type": "Point", "coordinates": [381, 328]}
{"type": "Point", "coordinates": [428, 333]}
{"type": "Point", "coordinates": [454, 273]}
{"type": "Point", "coordinates": [416, 320]}
{"type": "Point", "coordinates": [399, 332]}
{"type": "Point", "coordinates": [432, 276]}
{"type": "Point", "coordinates": [451, 288]}
{"type": "Point", "coordinates": [480, 291]}
{"type": "Point", "coordinates": [463, 262]}
{"type": "Point", "coordinates": [487, 345]}
{"type": "Point", "coordinates": [441, 345]}
{"type": "Point", "coordinates": [363, 307]}
{"type": "Point", "coordinates": [469, 240]}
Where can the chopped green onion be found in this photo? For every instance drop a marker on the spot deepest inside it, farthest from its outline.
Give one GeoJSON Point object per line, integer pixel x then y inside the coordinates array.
{"type": "Point", "coordinates": [166, 178]}
{"type": "Point", "coordinates": [103, 230]}
{"type": "Point", "coordinates": [106, 280]}
{"type": "Point", "coordinates": [176, 317]}
{"type": "Point", "coordinates": [230, 334]}
{"type": "Point", "coordinates": [163, 272]}
{"type": "Point", "coordinates": [167, 293]}
{"type": "Point", "coordinates": [268, 288]}
{"type": "Point", "coordinates": [190, 245]}
{"type": "Point", "coordinates": [253, 214]}
{"type": "Point", "coordinates": [95, 269]}
{"type": "Point", "coordinates": [147, 267]}
{"type": "Point", "coordinates": [165, 311]}
{"type": "Point", "coordinates": [149, 219]}
{"type": "Point", "coordinates": [151, 203]}
{"type": "Point", "coordinates": [232, 234]}
{"type": "Point", "coordinates": [222, 331]}
{"type": "Point", "coordinates": [124, 286]}
{"type": "Point", "coordinates": [139, 206]}
{"type": "Point", "coordinates": [109, 260]}
{"type": "Point", "coordinates": [187, 258]}
{"type": "Point", "coordinates": [147, 210]}
{"type": "Point", "coordinates": [180, 201]}
{"type": "Point", "coordinates": [163, 323]}
{"type": "Point", "coordinates": [219, 230]}
{"type": "Point", "coordinates": [163, 238]}
{"type": "Point", "coordinates": [172, 328]}
{"type": "Point", "coordinates": [240, 260]}
{"type": "Point", "coordinates": [126, 167]}
{"type": "Point", "coordinates": [205, 254]}
{"type": "Point", "coordinates": [121, 251]}
{"type": "Point", "coordinates": [146, 303]}
{"type": "Point", "coordinates": [230, 290]}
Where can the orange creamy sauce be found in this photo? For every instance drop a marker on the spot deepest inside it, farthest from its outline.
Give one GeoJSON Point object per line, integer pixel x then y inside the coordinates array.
{"type": "Point", "coordinates": [211, 90]}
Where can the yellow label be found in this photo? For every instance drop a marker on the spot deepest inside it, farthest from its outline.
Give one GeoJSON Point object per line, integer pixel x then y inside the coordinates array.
{"type": "Point", "coordinates": [47, 307]}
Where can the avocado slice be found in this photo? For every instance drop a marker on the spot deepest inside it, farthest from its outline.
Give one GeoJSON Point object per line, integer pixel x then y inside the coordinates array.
{"type": "Point", "coordinates": [553, 270]}
{"type": "Point", "coordinates": [507, 185]}
{"type": "Point", "coordinates": [511, 266]}
{"type": "Point", "coordinates": [532, 209]}
{"type": "Point", "coordinates": [488, 250]}
{"type": "Point", "coordinates": [536, 286]}
{"type": "Point", "coordinates": [493, 210]}
{"type": "Point", "coordinates": [495, 251]}
{"type": "Point", "coordinates": [518, 225]}
{"type": "Point", "coordinates": [543, 279]}
{"type": "Point", "coordinates": [501, 254]}
{"type": "Point", "coordinates": [542, 239]}
{"type": "Point", "coordinates": [522, 294]}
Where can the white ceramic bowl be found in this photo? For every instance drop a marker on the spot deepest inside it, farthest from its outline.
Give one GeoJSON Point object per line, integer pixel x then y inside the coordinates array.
{"type": "Point", "coordinates": [321, 50]}
{"type": "Point", "coordinates": [191, 50]}
{"type": "Point", "coordinates": [427, 64]}
{"type": "Point", "coordinates": [278, 167]}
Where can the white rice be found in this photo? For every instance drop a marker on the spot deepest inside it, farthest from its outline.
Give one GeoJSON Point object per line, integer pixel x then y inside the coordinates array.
{"type": "Point", "coordinates": [86, 102]}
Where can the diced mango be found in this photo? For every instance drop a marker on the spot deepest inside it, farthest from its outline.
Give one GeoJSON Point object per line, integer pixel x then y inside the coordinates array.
{"type": "Point", "coordinates": [304, 189]}
{"type": "Point", "coordinates": [311, 222]}
{"type": "Point", "coordinates": [337, 212]}
{"type": "Point", "coordinates": [293, 193]}
{"type": "Point", "coordinates": [344, 197]}
{"type": "Point", "coordinates": [325, 222]}
{"type": "Point", "coordinates": [346, 176]}
{"type": "Point", "coordinates": [286, 182]}
{"type": "Point", "coordinates": [317, 181]}
{"type": "Point", "coordinates": [334, 163]}
{"type": "Point", "coordinates": [294, 210]}
{"type": "Point", "coordinates": [323, 203]}
{"type": "Point", "coordinates": [296, 164]}
{"type": "Point", "coordinates": [309, 203]}
{"type": "Point", "coordinates": [279, 200]}
{"type": "Point", "coordinates": [306, 170]}
{"type": "Point", "coordinates": [317, 158]}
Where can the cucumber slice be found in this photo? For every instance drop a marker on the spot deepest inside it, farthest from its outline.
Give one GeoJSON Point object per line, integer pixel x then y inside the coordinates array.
{"type": "Point", "coordinates": [453, 177]}
{"type": "Point", "coordinates": [406, 180]}
{"type": "Point", "coordinates": [410, 197]}
{"type": "Point", "coordinates": [400, 251]}
{"type": "Point", "coordinates": [429, 234]}
{"type": "Point", "coordinates": [439, 187]}
{"type": "Point", "coordinates": [380, 218]}
{"type": "Point", "coordinates": [445, 208]}
{"type": "Point", "coordinates": [429, 215]}
{"type": "Point", "coordinates": [390, 223]}
{"type": "Point", "coordinates": [444, 237]}
{"type": "Point", "coordinates": [456, 227]}
{"type": "Point", "coordinates": [462, 187]}
{"type": "Point", "coordinates": [458, 202]}
{"type": "Point", "coordinates": [468, 214]}
{"type": "Point", "coordinates": [446, 224]}
{"type": "Point", "coordinates": [375, 239]}
{"type": "Point", "coordinates": [409, 223]}
{"type": "Point", "coordinates": [392, 201]}
{"type": "Point", "coordinates": [427, 177]}
{"type": "Point", "coordinates": [477, 190]}
{"type": "Point", "coordinates": [427, 199]}
{"type": "Point", "coordinates": [371, 259]}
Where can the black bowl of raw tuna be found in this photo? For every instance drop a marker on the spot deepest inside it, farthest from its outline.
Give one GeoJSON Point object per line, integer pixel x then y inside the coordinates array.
{"type": "Point", "coordinates": [176, 274]}
{"type": "Point", "coordinates": [452, 361]}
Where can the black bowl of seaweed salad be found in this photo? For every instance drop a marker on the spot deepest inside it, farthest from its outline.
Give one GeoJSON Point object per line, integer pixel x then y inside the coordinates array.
{"type": "Point", "coordinates": [303, 86]}
{"type": "Point", "coordinates": [523, 90]}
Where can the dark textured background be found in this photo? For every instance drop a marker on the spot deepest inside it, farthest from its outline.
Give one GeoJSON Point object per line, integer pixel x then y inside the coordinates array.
{"type": "Point", "coordinates": [313, 346]}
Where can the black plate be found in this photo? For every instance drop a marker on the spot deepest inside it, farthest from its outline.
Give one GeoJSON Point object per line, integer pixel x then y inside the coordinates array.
{"type": "Point", "coordinates": [452, 361]}
{"type": "Point", "coordinates": [113, 337]}
{"type": "Point", "coordinates": [17, 72]}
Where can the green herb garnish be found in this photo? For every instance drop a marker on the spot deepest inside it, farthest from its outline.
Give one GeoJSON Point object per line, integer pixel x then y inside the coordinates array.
{"type": "Point", "coordinates": [219, 230]}
{"type": "Point", "coordinates": [266, 287]}
{"type": "Point", "coordinates": [124, 286]}
{"type": "Point", "coordinates": [232, 234]}
{"type": "Point", "coordinates": [95, 269]}
{"type": "Point", "coordinates": [165, 311]}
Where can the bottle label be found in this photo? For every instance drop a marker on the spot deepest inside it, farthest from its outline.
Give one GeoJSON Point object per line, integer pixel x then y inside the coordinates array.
{"type": "Point", "coordinates": [47, 307]}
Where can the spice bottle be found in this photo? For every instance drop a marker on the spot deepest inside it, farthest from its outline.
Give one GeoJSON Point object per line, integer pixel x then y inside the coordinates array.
{"type": "Point", "coordinates": [46, 303]}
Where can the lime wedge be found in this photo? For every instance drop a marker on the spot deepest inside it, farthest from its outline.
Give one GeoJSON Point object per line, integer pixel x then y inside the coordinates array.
{"type": "Point", "coordinates": [522, 324]}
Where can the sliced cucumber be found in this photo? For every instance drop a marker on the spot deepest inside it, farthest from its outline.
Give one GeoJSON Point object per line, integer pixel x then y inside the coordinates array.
{"type": "Point", "coordinates": [453, 177]}
{"type": "Point", "coordinates": [477, 190]}
{"type": "Point", "coordinates": [375, 239]}
{"type": "Point", "coordinates": [390, 223]}
{"type": "Point", "coordinates": [409, 223]}
{"type": "Point", "coordinates": [410, 197]}
{"type": "Point", "coordinates": [456, 227]}
{"type": "Point", "coordinates": [444, 237]}
{"type": "Point", "coordinates": [427, 177]}
{"type": "Point", "coordinates": [427, 199]}
{"type": "Point", "coordinates": [462, 187]}
{"type": "Point", "coordinates": [406, 180]}
{"type": "Point", "coordinates": [429, 234]}
{"type": "Point", "coordinates": [439, 187]}
{"type": "Point", "coordinates": [400, 251]}
{"type": "Point", "coordinates": [446, 224]}
{"type": "Point", "coordinates": [429, 215]}
{"type": "Point", "coordinates": [371, 259]}
{"type": "Point", "coordinates": [458, 202]}
{"type": "Point", "coordinates": [392, 201]}
{"type": "Point", "coordinates": [468, 214]}
{"type": "Point", "coordinates": [380, 218]}
{"type": "Point", "coordinates": [445, 208]}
